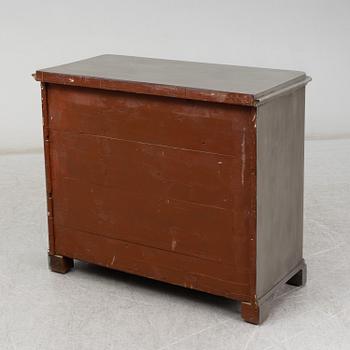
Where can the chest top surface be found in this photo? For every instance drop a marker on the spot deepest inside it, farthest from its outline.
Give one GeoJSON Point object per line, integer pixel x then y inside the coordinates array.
{"type": "Point", "coordinates": [203, 81]}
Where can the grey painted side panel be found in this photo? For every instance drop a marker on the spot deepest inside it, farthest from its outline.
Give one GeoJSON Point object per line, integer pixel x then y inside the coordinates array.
{"type": "Point", "coordinates": [280, 179]}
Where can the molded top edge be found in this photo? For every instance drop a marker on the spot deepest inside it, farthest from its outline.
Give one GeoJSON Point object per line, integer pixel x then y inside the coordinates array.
{"type": "Point", "coordinates": [192, 80]}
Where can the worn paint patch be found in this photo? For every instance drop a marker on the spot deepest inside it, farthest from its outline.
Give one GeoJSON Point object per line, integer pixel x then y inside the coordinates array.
{"type": "Point", "coordinates": [173, 244]}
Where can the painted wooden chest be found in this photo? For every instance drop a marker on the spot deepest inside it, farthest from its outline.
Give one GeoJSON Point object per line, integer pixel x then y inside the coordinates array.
{"type": "Point", "coordinates": [187, 173]}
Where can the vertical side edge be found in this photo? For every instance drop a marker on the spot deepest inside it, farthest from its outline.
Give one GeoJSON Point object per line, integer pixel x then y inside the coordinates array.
{"type": "Point", "coordinates": [252, 233]}
{"type": "Point", "coordinates": [46, 135]}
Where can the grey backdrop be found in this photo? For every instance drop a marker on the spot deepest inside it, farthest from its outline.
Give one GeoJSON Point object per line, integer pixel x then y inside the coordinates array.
{"type": "Point", "coordinates": [309, 35]}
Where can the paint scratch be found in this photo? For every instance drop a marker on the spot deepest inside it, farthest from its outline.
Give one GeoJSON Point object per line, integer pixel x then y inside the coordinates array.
{"type": "Point", "coordinates": [254, 120]}
{"type": "Point", "coordinates": [173, 244]}
{"type": "Point", "coordinates": [243, 156]}
{"type": "Point", "coordinates": [113, 260]}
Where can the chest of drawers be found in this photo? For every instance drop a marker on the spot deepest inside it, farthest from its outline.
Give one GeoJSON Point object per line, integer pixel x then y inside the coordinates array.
{"type": "Point", "coordinates": [187, 173]}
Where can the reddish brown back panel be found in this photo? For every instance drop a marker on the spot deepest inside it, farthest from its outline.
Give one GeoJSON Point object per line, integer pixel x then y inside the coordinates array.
{"type": "Point", "coordinates": [157, 186]}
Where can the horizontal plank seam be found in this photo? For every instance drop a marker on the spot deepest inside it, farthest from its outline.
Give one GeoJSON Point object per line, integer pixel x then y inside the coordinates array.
{"type": "Point", "coordinates": [147, 246]}
{"type": "Point", "coordinates": [165, 279]}
{"type": "Point", "coordinates": [141, 195]}
{"type": "Point", "coordinates": [144, 143]}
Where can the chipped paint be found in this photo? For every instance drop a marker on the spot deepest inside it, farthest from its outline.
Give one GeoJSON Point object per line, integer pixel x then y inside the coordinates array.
{"type": "Point", "coordinates": [173, 244]}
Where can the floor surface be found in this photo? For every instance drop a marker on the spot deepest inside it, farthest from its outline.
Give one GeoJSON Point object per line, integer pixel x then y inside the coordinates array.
{"type": "Point", "coordinates": [96, 309]}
